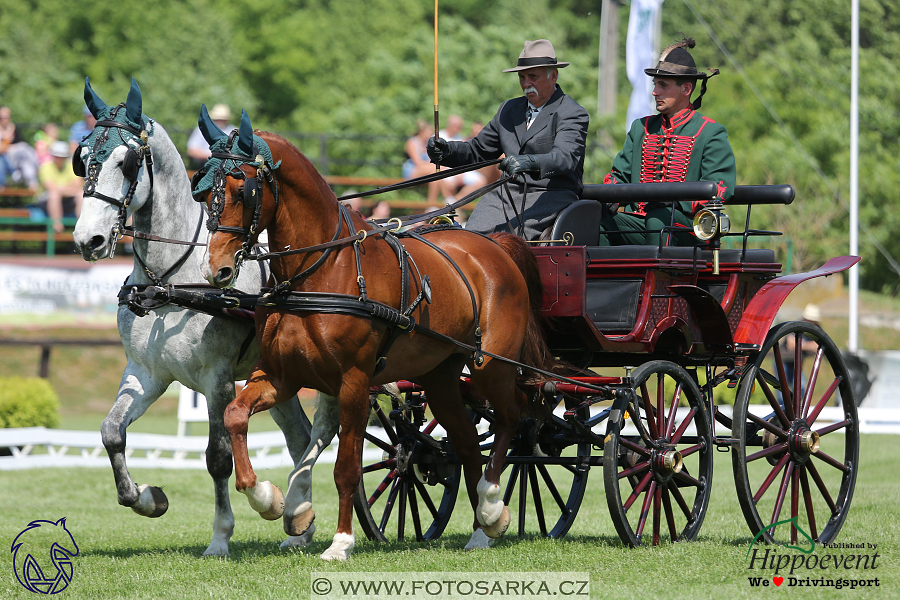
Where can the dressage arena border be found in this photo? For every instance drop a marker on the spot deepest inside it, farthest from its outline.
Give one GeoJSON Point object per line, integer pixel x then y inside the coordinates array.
{"type": "Point", "coordinates": [62, 448]}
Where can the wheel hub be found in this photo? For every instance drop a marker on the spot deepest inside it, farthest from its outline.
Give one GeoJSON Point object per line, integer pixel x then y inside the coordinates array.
{"type": "Point", "coordinates": [666, 462]}
{"type": "Point", "coordinates": [802, 441]}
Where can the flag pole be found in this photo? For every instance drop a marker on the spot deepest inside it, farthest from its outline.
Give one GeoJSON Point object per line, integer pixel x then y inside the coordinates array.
{"type": "Point", "coordinates": [437, 126]}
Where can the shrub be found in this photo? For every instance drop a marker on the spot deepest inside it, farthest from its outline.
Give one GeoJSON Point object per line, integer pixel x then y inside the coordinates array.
{"type": "Point", "coordinates": [28, 402]}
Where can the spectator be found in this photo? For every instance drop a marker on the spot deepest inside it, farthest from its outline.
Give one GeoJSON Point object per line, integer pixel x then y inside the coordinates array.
{"type": "Point", "coordinates": [465, 183]}
{"type": "Point", "coordinates": [43, 140]}
{"type": "Point", "coordinates": [81, 129]}
{"type": "Point", "coordinates": [17, 160]}
{"type": "Point", "coordinates": [63, 191]}
{"type": "Point", "coordinates": [197, 146]}
{"type": "Point", "coordinates": [381, 211]}
{"type": "Point", "coordinates": [417, 164]}
{"type": "Point", "coordinates": [353, 203]}
{"type": "Point", "coordinates": [453, 131]}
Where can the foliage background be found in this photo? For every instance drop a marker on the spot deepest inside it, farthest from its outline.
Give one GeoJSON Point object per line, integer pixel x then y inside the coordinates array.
{"type": "Point", "coordinates": [366, 69]}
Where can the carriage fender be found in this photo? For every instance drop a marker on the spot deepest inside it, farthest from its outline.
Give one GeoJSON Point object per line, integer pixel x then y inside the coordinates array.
{"type": "Point", "coordinates": [709, 316]}
{"type": "Point", "coordinates": [760, 312]}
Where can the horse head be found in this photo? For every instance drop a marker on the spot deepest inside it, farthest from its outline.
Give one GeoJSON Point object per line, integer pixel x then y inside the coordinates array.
{"type": "Point", "coordinates": [232, 184]}
{"type": "Point", "coordinates": [115, 162]}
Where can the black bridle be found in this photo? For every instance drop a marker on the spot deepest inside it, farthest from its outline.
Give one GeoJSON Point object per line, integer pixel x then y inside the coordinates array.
{"type": "Point", "coordinates": [251, 196]}
{"type": "Point", "coordinates": [131, 166]}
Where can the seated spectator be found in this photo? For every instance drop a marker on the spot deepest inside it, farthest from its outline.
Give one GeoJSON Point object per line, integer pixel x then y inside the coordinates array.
{"type": "Point", "coordinates": [417, 163]}
{"type": "Point", "coordinates": [62, 189]}
{"type": "Point", "coordinates": [81, 129]}
{"type": "Point", "coordinates": [197, 146]}
{"type": "Point", "coordinates": [43, 140]}
{"type": "Point", "coordinates": [18, 164]}
{"type": "Point", "coordinates": [459, 186]}
{"type": "Point", "coordinates": [381, 211]}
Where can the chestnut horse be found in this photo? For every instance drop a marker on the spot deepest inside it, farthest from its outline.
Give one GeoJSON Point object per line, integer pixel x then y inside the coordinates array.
{"type": "Point", "coordinates": [482, 292]}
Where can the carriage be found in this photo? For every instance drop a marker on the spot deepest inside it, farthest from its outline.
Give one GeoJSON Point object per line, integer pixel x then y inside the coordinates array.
{"type": "Point", "coordinates": [651, 336]}
{"type": "Point", "coordinates": [668, 329]}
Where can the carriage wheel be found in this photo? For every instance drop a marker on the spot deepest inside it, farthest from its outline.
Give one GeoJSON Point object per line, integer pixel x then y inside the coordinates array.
{"type": "Point", "coordinates": [545, 476]}
{"type": "Point", "coordinates": [788, 465]}
{"type": "Point", "coordinates": [658, 461]}
{"type": "Point", "coordinates": [410, 489]}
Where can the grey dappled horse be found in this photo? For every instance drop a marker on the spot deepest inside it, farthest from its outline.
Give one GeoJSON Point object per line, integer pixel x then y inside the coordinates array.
{"type": "Point", "coordinates": [205, 353]}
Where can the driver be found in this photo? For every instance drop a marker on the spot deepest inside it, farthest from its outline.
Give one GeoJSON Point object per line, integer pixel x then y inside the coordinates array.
{"type": "Point", "coordinates": [542, 134]}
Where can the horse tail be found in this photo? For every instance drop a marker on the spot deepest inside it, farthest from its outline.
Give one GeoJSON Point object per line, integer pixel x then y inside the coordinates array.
{"type": "Point", "coordinates": [534, 351]}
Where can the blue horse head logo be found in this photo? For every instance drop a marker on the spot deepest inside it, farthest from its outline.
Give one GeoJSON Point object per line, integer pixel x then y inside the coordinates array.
{"type": "Point", "coordinates": [40, 545]}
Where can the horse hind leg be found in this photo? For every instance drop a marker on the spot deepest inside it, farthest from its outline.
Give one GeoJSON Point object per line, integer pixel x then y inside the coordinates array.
{"type": "Point", "coordinates": [299, 515]}
{"type": "Point", "coordinates": [137, 391]}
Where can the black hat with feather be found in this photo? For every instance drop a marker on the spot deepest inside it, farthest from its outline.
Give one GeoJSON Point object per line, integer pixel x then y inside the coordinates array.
{"type": "Point", "coordinates": [675, 62]}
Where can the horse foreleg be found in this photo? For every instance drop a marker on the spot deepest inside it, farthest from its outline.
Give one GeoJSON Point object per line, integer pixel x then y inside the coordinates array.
{"type": "Point", "coordinates": [354, 412]}
{"type": "Point", "coordinates": [137, 391]}
{"type": "Point", "coordinates": [259, 394]}
{"type": "Point", "coordinates": [299, 515]}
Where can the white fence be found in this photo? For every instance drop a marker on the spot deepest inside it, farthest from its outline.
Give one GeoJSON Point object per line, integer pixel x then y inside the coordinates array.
{"type": "Point", "coordinates": [36, 447]}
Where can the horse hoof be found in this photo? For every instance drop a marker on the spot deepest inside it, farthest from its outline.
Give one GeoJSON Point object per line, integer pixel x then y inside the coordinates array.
{"type": "Point", "coordinates": [277, 509]}
{"type": "Point", "coordinates": [151, 502]}
{"type": "Point", "coordinates": [299, 524]}
{"type": "Point", "coordinates": [498, 527]}
{"type": "Point", "coordinates": [479, 541]}
{"type": "Point", "coordinates": [299, 541]}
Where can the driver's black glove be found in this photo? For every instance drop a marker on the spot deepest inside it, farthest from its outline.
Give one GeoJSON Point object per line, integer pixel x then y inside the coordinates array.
{"type": "Point", "coordinates": [519, 163]}
{"type": "Point", "coordinates": [437, 149]}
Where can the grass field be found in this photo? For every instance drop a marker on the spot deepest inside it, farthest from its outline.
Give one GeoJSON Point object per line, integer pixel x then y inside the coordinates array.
{"type": "Point", "coordinates": [123, 555]}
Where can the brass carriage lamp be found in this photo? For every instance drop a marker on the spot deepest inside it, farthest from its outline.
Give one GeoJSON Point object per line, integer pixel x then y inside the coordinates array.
{"type": "Point", "coordinates": [710, 224]}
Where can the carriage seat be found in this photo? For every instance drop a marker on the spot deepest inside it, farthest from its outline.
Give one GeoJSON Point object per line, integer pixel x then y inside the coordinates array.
{"type": "Point", "coordinates": [582, 220]}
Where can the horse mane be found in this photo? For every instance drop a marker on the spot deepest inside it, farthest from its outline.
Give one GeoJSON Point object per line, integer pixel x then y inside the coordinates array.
{"type": "Point", "coordinates": [288, 152]}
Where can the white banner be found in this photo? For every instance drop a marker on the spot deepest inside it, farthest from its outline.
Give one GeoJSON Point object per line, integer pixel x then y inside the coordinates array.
{"type": "Point", "coordinates": [41, 290]}
{"type": "Point", "coordinates": [641, 53]}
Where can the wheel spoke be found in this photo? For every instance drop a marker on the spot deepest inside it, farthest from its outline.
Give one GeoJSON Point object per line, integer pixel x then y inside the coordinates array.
{"type": "Point", "coordinates": [679, 499]}
{"type": "Point", "coordinates": [637, 491]}
{"type": "Point", "coordinates": [691, 449]}
{"type": "Point", "coordinates": [772, 475]}
{"type": "Point", "coordinates": [376, 494]}
{"type": "Point", "coordinates": [634, 447]}
{"type": "Point", "coordinates": [551, 487]}
{"type": "Point", "coordinates": [783, 383]}
{"type": "Point", "coordinates": [670, 516]}
{"type": "Point", "coordinates": [687, 479]}
{"type": "Point", "coordinates": [426, 498]}
{"type": "Point", "coordinates": [381, 444]}
{"type": "Point", "coordinates": [648, 408]}
{"type": "Point", "coordinates": [523, 498]}
{"type": "Point", "coordinates": [402, 493]}
{"type": "Point", "coordinates": [386, 424]}
{"type": "Point", "coordinates": [538, 504]}
{"type": "Point", "coordinates": [389, 506]}
{"type": "Point", "coordinates": [660, 404]}
{"type": "Point", "coordinates": [797, 394]}
{"type": "Point", "coordinates": [831, 461]}
{"type": "Point", "coordinates": [385, 464]}
{"type": "Point", "coordinates": [414, 509]}
{"type": "Point", "coordinates": [511, 485]}
{"type": "Point", "coordinates": [676, 400]}
{"type": "Point", "coordinates": [811, 383]}
{"type": "Point", "coordinates": [773, 401]}
{"type": "Point", "coordinates": [645, 510]}
{"type": "Point", "coordinates": [635, 470]}
{"type": "Point", "coordinates": [795, 502]}
{"type": "Point", "coordinates": [824, 400]}
{"type": "Point", "coordinates": [807, 499]}
{"type": "Point", "coordinates": [782, 493]}
{"type": "Point", "coordinates": [688, 419]}
{"type": "Point", "coordinates": [826, 495]}
{"type": "Point", "coordinates": [657, 516]}
{"type": "Point", "coordinates": [768, 452]}
{"type": "Point", "coordinates": [833, 427]}
{"type": "Point", "coordinates": [767, 426]}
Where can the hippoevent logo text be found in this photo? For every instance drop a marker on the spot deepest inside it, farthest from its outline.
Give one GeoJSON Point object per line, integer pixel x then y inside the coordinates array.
{"type": "Point", "coordinates": [42, 556]}
{"type": "Point", "coordinates": [839, 565]}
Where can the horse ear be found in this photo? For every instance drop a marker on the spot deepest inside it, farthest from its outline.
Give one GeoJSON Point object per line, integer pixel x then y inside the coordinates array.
{"type": "Point", "coordinates": [93, 101]}
{"type": "Point", "coordinates": [245, 134]}
{"type": "Point", "coordinates": [211, 132]}
{"type": "Point", "coordinates": [134, 103]}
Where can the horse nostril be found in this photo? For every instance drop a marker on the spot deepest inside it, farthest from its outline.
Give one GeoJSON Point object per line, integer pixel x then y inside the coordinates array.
{"type": "Point", "coordinates": [224, 275]}
{"type": "Point", "coordinates": [98, 241]}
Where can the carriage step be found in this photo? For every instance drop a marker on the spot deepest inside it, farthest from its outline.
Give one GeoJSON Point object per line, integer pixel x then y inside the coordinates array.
{"type": "Point", "coordinates": [724, 444]}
